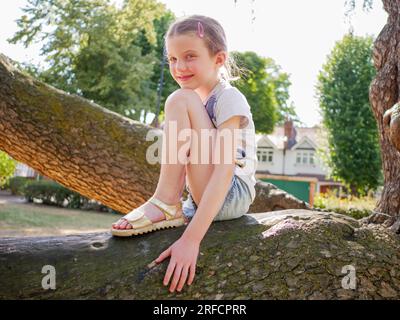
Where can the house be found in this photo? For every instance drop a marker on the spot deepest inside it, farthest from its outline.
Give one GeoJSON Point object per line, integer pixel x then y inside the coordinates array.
{"type": "Point", "coordinates": [22, 170]}
{"type": "Point", "coordinates": [290, 159]}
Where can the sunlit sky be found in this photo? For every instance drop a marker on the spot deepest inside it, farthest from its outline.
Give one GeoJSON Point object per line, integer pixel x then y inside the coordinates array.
{"type": "Point", "coordinates": [298, 35]}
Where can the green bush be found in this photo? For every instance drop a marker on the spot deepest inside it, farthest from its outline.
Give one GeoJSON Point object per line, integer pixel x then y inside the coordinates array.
{"type": "Point", "coordinates": [349, 205]}
{"type": "Point", "coordinates": [17, 184]}
{"type": "Point", "coordinates": [53, 193]}
{"type": "Point", "coordinates": [7, 168]}
{"type": "Point", "coordinates": [5, 186]}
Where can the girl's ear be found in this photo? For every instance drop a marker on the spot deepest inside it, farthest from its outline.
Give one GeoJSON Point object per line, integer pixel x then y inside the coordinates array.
{"type": "Point", "coordinates": [221, 58]}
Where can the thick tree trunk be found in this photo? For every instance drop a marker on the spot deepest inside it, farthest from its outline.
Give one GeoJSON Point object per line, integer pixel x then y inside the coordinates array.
{"type": "Point", "coordinates": [79, 144]}
{"type": "Point", "coordinates": [340, 258]}
{"type": "Point", "coordinates": [87, 148]}
{"type": "Point", "coordinates": [384, 93]}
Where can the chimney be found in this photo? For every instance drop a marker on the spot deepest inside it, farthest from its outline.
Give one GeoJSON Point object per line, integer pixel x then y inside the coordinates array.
{"type": "Point", "coordinates": [290, 134]}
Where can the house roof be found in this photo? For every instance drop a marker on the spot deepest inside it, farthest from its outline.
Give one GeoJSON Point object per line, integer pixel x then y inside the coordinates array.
{"type": "Point", "coordinates": [315, 134]}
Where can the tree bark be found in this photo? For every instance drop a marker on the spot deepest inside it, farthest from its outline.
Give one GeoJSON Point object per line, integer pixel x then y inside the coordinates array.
{"type": "Point", "coordinates": [87, 148]}
{"type": "Point", "coordinates": [265, 262]}
{"type": "Point", "coordinates": [384, 93]}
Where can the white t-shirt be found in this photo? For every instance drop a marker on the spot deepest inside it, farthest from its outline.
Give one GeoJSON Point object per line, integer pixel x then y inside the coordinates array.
{"type": "Point", "coordinates": [223, 102]}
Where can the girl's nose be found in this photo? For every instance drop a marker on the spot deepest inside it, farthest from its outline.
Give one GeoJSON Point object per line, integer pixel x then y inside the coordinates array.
{"type": "Point", "coordinates": [180, 65]}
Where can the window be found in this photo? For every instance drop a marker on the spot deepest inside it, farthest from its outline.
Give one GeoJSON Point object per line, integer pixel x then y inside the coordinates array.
{"type": "Point", "coordinates": [305, 157]}
{"type": "Point", "coordinates": [270, 154]}
{"type": "Point", "coordinates": [312, 158]}
{"type": "Point", "coordinates": [266, 156]}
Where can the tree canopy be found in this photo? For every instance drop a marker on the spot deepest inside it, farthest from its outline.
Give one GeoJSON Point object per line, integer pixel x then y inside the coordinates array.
{"type": "Point", "coordinates": [343, 87]}
{"type": "Point", "coordinates": [266, 88]}
{"type": "Point", "coordinates": [105, 53]}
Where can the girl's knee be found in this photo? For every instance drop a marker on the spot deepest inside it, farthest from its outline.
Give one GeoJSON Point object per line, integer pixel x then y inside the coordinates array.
{"type": "Point", "coordinates": [175, 103]}
{"type": "Point", "coordinates": [184, 96]}
{"type": "Point", "coordinates": [187, 94]}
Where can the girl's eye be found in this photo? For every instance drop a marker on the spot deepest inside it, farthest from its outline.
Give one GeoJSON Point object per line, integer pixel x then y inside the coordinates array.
{"type": "Point", "coordinates": [190, 56]}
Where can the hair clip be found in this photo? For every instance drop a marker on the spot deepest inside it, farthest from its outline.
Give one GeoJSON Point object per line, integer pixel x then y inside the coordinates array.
{"type": "Point", "coordinates": [200, 30]}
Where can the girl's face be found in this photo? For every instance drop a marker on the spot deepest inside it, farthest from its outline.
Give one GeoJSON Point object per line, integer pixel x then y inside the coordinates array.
{"type": "Point", "coordinates": [190, 63]}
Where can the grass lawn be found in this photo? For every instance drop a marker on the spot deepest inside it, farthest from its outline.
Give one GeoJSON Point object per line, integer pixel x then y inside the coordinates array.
{"type": "Point", "coordinates": [27, 219]}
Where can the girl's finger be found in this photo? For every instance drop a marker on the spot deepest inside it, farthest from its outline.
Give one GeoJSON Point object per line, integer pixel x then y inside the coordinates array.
{"type": "Point", "coordinates": [169, 272]}
{"type": "Point", "coordinates": [164, 255]}
{"type": "Point", "coordinates": [183, 278]}
{"type": "Point", "coordinates": [192, 273]}
{"type": "Point", "coordinates": [177, 275]}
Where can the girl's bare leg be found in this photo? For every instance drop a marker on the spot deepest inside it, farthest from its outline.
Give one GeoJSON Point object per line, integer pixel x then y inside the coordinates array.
{"type": "Point", "coordinates": [184, 110]}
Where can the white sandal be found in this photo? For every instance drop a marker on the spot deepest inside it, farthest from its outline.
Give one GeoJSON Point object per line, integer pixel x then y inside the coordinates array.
{"type": "Point", "coordinates": [141, 224]}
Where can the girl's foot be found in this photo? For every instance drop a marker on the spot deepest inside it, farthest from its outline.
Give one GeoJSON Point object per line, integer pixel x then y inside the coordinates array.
{"type": "Point", "coordinates": [151, 211]}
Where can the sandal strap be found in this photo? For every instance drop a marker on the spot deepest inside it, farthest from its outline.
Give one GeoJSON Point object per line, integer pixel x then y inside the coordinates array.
{"type": "Point", "coordinates": [169, 210]}
{"type": "Point", "coordinates": [136, 215]}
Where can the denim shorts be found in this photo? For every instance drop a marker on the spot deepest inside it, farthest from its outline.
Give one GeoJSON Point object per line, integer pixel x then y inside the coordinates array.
{"type": "Point", "coordinates": [236, 204]}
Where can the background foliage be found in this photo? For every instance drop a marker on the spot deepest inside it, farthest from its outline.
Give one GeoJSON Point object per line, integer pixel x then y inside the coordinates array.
{"type": "Point", "coordinates": [343, 91]}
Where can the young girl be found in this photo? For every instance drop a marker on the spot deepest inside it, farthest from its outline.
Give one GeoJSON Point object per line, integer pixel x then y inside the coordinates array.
{"type": "Point", "coordinates": [217, 190]}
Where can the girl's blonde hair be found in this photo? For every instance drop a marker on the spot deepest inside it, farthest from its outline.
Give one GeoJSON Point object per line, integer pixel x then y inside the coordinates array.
{"type": "Point", "coordinates": [214, 39]}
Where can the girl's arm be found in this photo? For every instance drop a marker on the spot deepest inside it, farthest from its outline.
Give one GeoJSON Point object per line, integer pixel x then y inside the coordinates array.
{"type": "Point", "coordinates": [216, 189]}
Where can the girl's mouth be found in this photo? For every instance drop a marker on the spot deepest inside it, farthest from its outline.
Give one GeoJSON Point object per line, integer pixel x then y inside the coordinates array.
{"type": "Point", "coordinates": [185, 78]}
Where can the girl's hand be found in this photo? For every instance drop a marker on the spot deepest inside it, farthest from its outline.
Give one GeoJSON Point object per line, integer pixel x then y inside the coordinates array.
{"type": "Point", "coordinates": [183, 260]}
